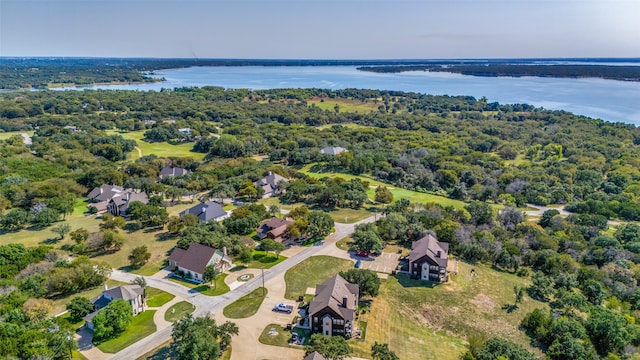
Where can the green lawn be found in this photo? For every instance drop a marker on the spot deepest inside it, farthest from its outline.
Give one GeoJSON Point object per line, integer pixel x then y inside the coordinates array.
{"type": "Point", "coordinates": [141, 327]}
{"type": "Point", "coordinates": [60, 303]}
{"type": "Point", "coordinates": [345, 105]}
{"type": "Point", "coordinates": [178, 310]}
{"type": "Point", "coordinates": [312, 272]}
{"type": "Point", "coordinates": [8, 134]}
{"type": "Point", "coordinates": [219, 289]}
{"type": "Point", "coordinates": [425, 321]}
{"type": "Point", "coordinates": [282, 338]}
{"type": "Point", "coordinates": [261, 260]}
{"type": "Point", "coordinates": [341, 215]}
{"type": "Point", "coordinates": [157, 297]}
{"type": "Point", "coordinates": [413, 196]}
{"type": "Point", "coordinates": [246, 306]}
{"type": "Point", "coordinates": [161, 149]}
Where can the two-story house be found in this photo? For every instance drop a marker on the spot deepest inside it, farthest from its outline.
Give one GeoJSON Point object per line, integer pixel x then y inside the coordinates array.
{"type": "Point", "coordinates": [428, 259]}
{"type": "Point", "coordinates": [193, 261]}
{"type": "Point", "coordinates": [333, 309]}
{"type": "Point", "coordinates": [134, 294]}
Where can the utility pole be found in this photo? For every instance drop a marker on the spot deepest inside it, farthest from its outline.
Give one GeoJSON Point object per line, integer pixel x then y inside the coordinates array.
{"type": "Point", "coordinates": [263, 289]}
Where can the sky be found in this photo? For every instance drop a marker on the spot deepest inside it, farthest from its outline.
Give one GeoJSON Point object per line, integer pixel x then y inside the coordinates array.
{"type": "Point", "coordinates": [315, 29]}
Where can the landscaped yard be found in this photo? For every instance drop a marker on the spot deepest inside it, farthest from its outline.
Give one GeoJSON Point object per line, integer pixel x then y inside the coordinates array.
{"type": "Point", "coordinates": [219, 288]}
{"type": "Point", "coordinates": [178, 310]}
{"type": "Point", "coordinates": [425, 321]}
{"type": "Point", "coordinates": [141, 327]}
{"type": "Point", "coordinates": [246, 306]}
{"type": "Point", "coordinates": [282, 337]}
{"type": "Point", "coordinates": [59, 304]}
{"type": "Point", "coordinates": [312, 272]}
{"type": "Point", "coordinates": [262, 260]}
{"type": "Point", "coordinates": [157, 297]}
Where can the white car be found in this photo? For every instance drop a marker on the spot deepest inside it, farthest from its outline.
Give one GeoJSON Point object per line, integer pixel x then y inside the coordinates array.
{"type": "Point", "coordinates": [283, 308]}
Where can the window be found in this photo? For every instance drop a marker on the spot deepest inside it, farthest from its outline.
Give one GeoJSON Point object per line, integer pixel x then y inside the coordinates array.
{"type": "Point", "coordinates": [315, 319]}
{"type": "Point", "coordinates": [434, 267]}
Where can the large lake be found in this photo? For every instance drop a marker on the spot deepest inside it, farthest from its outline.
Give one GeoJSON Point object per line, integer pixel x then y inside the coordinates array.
{"type": "Point", "coordinates": [605, 99]}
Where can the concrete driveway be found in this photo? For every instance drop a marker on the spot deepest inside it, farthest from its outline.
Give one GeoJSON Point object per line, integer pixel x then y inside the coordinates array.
{"type": "Point", "coordinates": [384, 263]}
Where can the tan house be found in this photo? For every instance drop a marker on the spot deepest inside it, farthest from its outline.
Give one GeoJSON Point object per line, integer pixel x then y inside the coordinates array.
{"type": "Point", "coordinates": [193, 261]}
{"type": "Point", "coordinates": [428, 259]}
{"type": "Point", "coordinates": [134, 294]}
{"type": "Point", "coordinates": [333, 309]}
{"type": "Point", "coordinates": [274, 228]}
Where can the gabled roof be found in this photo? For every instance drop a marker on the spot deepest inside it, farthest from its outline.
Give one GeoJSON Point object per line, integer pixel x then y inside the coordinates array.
{"type": "Point", "coordinates": [332, 150]}
{"type": "Point", "coordinates": [173, 171]}
{"type": "Point", "coordinates": [105, 192]}
{"type": "Point", "coordinates": [206, 211]}
{"type": "Point", "coordinates": [430, 246]}
{"type": "Point", "coordinates": [330, 294]}
{"type": "Point", "coordinates": [122, 200]}
{"type": "Point", "coordinates": [275, 225]}
{"type": "Point", "coordinates": [196, 257]}
{"type": "Point", "coordinates": [269, 182]}
{"type": "Point", "coordinates": [315, 356]}
{"type": "Point", "coordinates": [126, 292]}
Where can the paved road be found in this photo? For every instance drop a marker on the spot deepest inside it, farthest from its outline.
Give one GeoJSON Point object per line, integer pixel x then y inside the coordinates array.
{"type": "Point", "coordinates": [206, 305]}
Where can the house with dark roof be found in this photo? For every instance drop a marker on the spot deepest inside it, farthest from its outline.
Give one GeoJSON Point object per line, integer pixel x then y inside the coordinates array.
{"type": "Point", "coordinates": [193, 261]}
{"type": "Point", "coordinates": [428, 259]}
{"type": "Point", "coordinates": [208, 211]}
{"type": "Point", "coordinates": [333, 309]}
{"type": "Point", "coordinates": [172, 172]}
{"type": "Point", "coordinates": [333, 150]}
{"type": "Point", "coordinates": [99, 197]}
{"type": "Point", "coordinates": [269, 184]}
{"type": "Point", "coordinates": [315, 356]}
{"type": "Point", "coordinates": [119, 205]}
{"type": "Point", "coordinates": [134, 294]}
{"type": "Point", "coordinates": [274, 228]}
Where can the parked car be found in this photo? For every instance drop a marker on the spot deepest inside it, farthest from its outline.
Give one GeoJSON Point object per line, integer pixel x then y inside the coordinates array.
{"type": "Point", "coordinates": [362, 254]}
{"type": "Point", "coordinates": [357, 265]}
{"type": "Point", "coordinates": [283, 308]}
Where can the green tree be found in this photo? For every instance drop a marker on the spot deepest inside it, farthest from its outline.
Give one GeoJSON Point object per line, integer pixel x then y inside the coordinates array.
{"type": "Point", "coordinates": [383, 195]}
{"type": "Point", "coordinates": [15, 219]}
{"type": "Point", "coordinates": [111, 241]}
{"type": "Point", "coordinates": [61, 229]}
{"type": "Point", "coordinates": [628, 233]}
{"type": "Point", "coordinates": [79, 235]}
{"type": "Point", "coordinates": [139, 256]}
{"type": "Point", "coordinates": [201, 338]}
{"type": "Point", "coordinates": [320, 224]}
{"type": "Point", "coordinates": [210, 275]}
{"type": "Point", "coordinates": [608, 331]}
{"type": "Point", "coordinates": [79, 307]}
{"type": "Point", "coordinates": [331, 347]}
{"type": "Point", "coordinates": [112, 320]}
{"type": "Point", "coordinates": [481, 213]}
{"type": "Point", "coordinates": [278, 247]}
{"type": "Point", "coordinates": [45, 217]}
{"type": "Point", "coordinates": [594, 291]}
{"type": "Point", "coordinates": [268, 245]}
{"type": "Point", "coordinates": [545, 219]}
{"type": "Point", "coordinates": [367, 280]}
{"type": "Point", "coordinates": [541, 286]}
{"type": "Point", "coordinates": [110, 222]}
{"type": "Point", "coordinates": [495, 348]}
{"type": "Point", "coordinates": [365, 238]}
{"type": "Point", "coordinates": [382, 352]}
{"type": "Point", "coordinates": [519, 293]}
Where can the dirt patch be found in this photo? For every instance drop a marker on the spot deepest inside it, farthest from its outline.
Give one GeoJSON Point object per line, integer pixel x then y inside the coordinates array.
{"type": "Point", "coordinates": [433, 316]}
{"type": "Point", "coordinates": [483, 302]}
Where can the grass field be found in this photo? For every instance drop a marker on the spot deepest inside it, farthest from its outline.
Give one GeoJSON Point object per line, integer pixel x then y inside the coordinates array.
{"type": "Point", "coordinates": [178, 310]}
{"type": "Point", "coordinates": [312, 272]}
{"type": "Point", "coordinates": [8, 134]}
{"type": "Point", "coordinates": [60, 303]}
{"type": "Point", "coordinates": [432, 322]}
{"type": "Point", "coordinates": [204, 289]}
{"type": "Point", "coordinates": [161, 149]}
{"type": "Point", "coordinates": [345, 105]}
{"type": "Point", "coordinates": [281, 339]}
{"type": "Point", "coordinates": [413, 196]}
{"type": "Point", "coordinates": [262, 260]}
{"type": "Point", "coordinates": [246, 306]}
{"type": "Point", "coordinates": [341, 215]}
{"type": "Point", "coordinates": [141, 327]}
{"type": "Point", "coordinates": [157, 297]}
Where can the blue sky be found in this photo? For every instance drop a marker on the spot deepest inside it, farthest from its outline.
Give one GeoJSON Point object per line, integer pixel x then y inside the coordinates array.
{"type": "Point", "coordinates": [328, 29]}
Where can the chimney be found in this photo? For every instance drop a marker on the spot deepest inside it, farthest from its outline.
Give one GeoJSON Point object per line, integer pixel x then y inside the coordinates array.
{"type": "Point", "coordinates": [439, 253]}
{"type": "Point", "coordinates": [345, 298]}
{"type": "Point", "coordinates": [101, 190]}
{"type": "Point", "coordinates": [128, 193]}
{"type": "Point", "coordinates": [224, 250]}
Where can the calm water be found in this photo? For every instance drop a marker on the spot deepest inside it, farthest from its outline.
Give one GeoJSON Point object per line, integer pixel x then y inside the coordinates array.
{"type": "Point", "coordinates": [606, 99]}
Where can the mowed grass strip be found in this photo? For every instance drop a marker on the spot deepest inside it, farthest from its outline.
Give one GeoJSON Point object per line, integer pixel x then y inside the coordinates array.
{"type": "Point", "coordinates": [157, 297]}
{"type": "Point", "coordinates": [433, 322]}
{"type": "Point", "coordinates": [161, 149]}
{"type": "Point", "coordinates": [178, 310]}
{"type": "Point", "coordinates": [141, 327]}
{"type": "Point", "coordinates": [312, 272]}
{"type": "Point", "coordinates": [246, 306]}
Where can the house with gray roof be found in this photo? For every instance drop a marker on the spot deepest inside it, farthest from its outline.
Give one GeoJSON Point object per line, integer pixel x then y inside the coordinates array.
{"type": "Point", "coordinates": [100, 196]}
{"type": "Point", "coordinates": [428, 259]}
{"type": "Point", "coordinates": [333, 309]}
{"type": "Point", "coordinates": [269, 184]}
{"type": "Point", "coordinates": [119, 204]}
{"type": "Point", "coordinates": [206, 212]}
{"type": "Point", "coordinates": [315, 356]}
{"type": "Point", "coordinates": [172, 172]}
{"type": "Point", "coordinates": [134, 294]}
{"type": "Point", "coordinates": [193, 261]}
{"type": "Point", "coordinates": [333, 150]}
